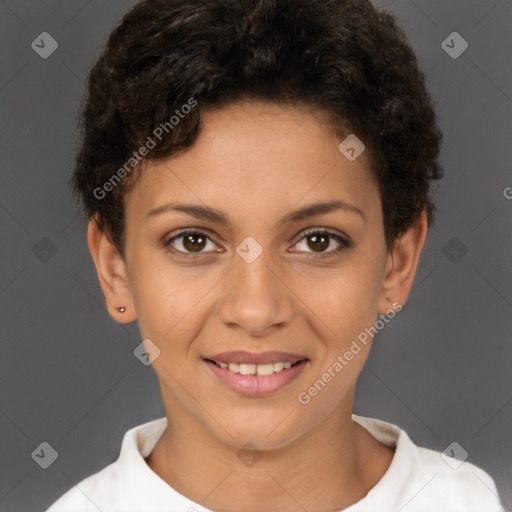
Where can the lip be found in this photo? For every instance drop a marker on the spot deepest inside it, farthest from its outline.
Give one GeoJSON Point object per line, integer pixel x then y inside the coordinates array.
{"type": "Point", "coordinates": [242, 357]}
{"type": "Point", "coordinates": [257, 385]}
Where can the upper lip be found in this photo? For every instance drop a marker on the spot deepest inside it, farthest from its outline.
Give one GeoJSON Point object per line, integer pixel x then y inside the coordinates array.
{"type": "Point", "coordinates": [242, 357]}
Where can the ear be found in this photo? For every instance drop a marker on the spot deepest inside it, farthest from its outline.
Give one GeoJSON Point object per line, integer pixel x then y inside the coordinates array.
{"type": "Point", "coordinates": [112, 274]}
{"type": "Point", "coordinates": [401, 265]}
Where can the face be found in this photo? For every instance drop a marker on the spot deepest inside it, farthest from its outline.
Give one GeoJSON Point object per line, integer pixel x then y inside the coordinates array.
{"type": "Point", "coordinates": [227, 263]}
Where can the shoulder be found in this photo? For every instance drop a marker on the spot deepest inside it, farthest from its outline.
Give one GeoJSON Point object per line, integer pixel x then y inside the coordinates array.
{"type": "Point", "coordinates": [421, 479]}
{"type": "Point", "coordinates": [86, 496]}
{"type": "Point", "coordinates": [452, 481]}
{"type": "Point", "coordinates": [122, 482]}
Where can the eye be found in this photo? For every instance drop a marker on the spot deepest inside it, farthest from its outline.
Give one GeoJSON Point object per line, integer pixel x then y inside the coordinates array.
{"type": "Point", "coordinates": [190, 243]}
{"type": "Point", "coordinates": [321, 243]}
{"type": "Point", "coordinates": [195, 243]}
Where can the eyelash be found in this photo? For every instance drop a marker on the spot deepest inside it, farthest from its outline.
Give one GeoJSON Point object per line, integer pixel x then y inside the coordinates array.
{"type": "Point", "coordinates": [344, 244]}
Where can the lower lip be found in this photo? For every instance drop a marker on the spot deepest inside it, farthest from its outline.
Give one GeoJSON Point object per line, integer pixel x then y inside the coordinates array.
{"type": "Point", "coordinates": [257, 385]}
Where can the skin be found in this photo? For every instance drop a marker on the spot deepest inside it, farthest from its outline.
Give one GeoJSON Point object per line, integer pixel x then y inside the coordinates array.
{"type": "Point", "coordinates": [256, 162]}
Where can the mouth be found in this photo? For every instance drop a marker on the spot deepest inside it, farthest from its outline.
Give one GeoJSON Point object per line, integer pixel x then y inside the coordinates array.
{"type": "Point", "coordinates": [255, 369]}
{"type": "Point", "coordinates": [256, 374]}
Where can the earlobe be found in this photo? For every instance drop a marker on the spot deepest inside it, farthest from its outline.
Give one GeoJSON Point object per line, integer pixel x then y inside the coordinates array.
{"type": "Point", "coordinates": [112, 274]}
{"type": "Point", "coordinates": [402, 264]}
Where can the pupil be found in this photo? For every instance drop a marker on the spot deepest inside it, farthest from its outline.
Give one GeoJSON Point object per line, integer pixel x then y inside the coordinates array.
{"type": "Point", "coordinates": [190, 246]}
{"type": "Point", "coordinates": [319, 242]}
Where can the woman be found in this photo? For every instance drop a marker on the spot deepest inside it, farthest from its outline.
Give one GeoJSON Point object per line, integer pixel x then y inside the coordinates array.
{"type": "Point", "coordinates": [256, 175]}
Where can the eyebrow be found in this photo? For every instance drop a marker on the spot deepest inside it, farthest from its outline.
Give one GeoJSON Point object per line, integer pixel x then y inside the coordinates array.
{"type": "Point", "coordinates": [207, 213]}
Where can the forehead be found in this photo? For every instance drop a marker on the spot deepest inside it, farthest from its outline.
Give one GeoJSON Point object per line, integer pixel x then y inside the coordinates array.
{"type": "Point", "coordinates": [258, 159]}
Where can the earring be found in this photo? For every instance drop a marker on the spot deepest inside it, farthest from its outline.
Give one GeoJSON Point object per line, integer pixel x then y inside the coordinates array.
{"type": "Point", "coordinates": [395, 305]}
{"type": "Point", "coordinates": [122, 309]}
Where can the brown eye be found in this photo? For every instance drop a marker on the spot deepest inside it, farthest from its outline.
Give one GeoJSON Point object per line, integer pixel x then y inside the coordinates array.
{"type": "Point", "coordinates": [318, 242]}
{"type": "Point", "coordinates": [194, 242]}
{"type": "Point", "coordinates": [322, 244]}
{"type": "Point", "coordinates": [190, 242]}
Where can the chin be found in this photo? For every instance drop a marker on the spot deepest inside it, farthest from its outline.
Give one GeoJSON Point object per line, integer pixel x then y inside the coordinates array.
{"type": "Point", "coordinates": [264, 431]}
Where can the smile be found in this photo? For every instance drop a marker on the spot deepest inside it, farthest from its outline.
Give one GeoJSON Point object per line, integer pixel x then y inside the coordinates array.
{"type": "Point", "coordinates": [263, 375]}
{"type": "Point", "coordinates": [255, 369]}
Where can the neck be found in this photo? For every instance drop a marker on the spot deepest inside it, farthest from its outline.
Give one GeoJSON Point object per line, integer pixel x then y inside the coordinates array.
{"type": "Point", "coordinates": [330, 467]}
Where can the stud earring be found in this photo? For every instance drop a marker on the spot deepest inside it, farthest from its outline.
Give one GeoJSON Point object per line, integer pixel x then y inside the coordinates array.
{"type": "Point", "coordinates": [395, 305]}
{"type": "Point", "coordinates": [122, 309]}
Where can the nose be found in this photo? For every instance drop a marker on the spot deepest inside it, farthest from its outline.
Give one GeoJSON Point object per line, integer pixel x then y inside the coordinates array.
{"type": "Point", "coordinates": [255, 297]}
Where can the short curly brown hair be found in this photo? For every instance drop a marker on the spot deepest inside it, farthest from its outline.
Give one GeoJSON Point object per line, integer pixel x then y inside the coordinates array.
{"type": "Point", "coordinates": [343, 57]}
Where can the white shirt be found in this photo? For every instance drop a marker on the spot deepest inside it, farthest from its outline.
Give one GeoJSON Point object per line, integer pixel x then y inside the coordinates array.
{"type": "Point", "coordinates": [417, 480]}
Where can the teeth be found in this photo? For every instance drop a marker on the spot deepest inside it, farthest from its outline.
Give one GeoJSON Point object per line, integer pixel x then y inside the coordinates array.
{"type": "Point", "coordinates": [265, 369]}
{"type": "Point", "coordinates": [247, 369]}
{"type": "Point", "coordinates": [255, 369]}
{"type": "Point", "coordinates": [234, 367]}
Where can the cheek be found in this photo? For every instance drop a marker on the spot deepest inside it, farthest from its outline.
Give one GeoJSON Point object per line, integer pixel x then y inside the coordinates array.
{"type": "Point", "coordinates": [170, 302]}
{"type": "Point", "coordinates": [347, 302]}
{"type": "Point", "coordinates": [166, 306]}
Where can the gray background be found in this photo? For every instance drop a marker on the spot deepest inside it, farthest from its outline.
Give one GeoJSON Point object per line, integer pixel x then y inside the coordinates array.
{"type": "Point", "coordinates": [441, 369]}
